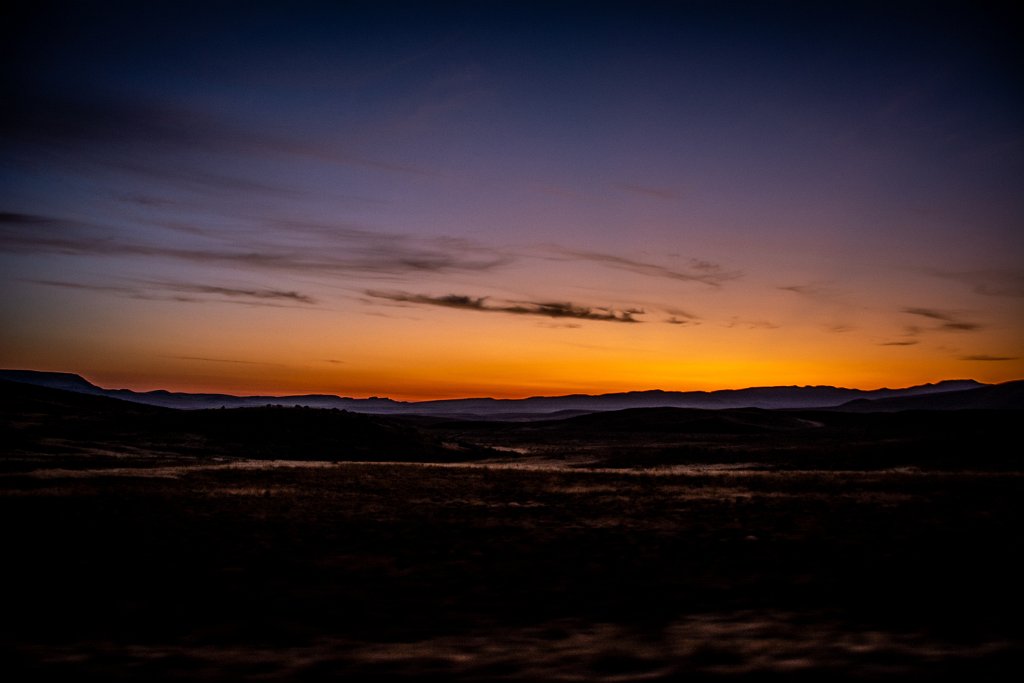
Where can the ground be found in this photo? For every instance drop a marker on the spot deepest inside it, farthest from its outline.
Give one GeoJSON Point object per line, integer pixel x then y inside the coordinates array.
{"type": "Point", "coordinates": [188, 568]}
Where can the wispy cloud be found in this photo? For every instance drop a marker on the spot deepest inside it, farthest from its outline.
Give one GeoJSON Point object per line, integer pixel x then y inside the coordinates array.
{"type": "Point", "coordinates": [88, 287]}
{"type": "Point", "coordinates": [648, 191]}
{"type": "Point", "coordinates": [221, 360]}
{"type": "Point", "coordinates": [991, 282]}
{"type": "Point", "coordinates": [680, 313]}
{"type": "Point", "coordinates": [678, 316]}
{"type": "Point", "coordinates": [108, 130]}
{"type": "Point", "coordinates": [301, 248]}
{"type": "Point", "coordinates": [700, 271]}
{"type": "Point", "coordinates": [985, 357]}
{"type": "Point", "coordinates": [15, 218]}
{"type": "Point", "coordinates": [188, 292]}
{"type": "Point", "coordinates": [814, 290]}
{"type": "Point", "coordinates": [751, 324]}
{"type": "Point", "coordinates": [948, 320]}
{"type": "Point", "coordinates": [235, 292]}
{"type": "Point", "coordinates": [557, 191]}
{"type": "Point", "coordinates": [902, 342]}
{"type": "Point", "coordinates": [548, 309]}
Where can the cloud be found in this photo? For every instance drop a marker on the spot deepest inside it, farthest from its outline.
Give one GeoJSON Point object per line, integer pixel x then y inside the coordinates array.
{"type": "Point", "coordinates": [985, 357]}
{"type": "Point", "coordinates": [302, 248]}
{"type": "Point", "coordinates": [751, 324]}
{"type": "Point", "coordinates": [305, 247]}
{"type": "Point", "coordinates": [928, 313]}
{"type": "Point", "coordinates": [192, 178]}
{"type": "Point", "coordinates": [557, 191]}
{"type": "Point", "coordinates": [151, 290]}
{"type": "Point", "coordinates": [15, 218]}
{"type": "Point", "coordinates": [221, 360]}
{"type": "Point", "coordinates": [655, 192]}
{"type": "Point", "coordinates": [680, 317]}
{"type": "Point", "coordinates": [679, 313]}
{"type": "Point", "coordinates": [991, 282]}
{"type": "Point", "coordinates": [293, 246]}
{"type": "Point", "coordinates": [107, 129]}
{"type": "Point", "coordinates": [815, 290]}
{"type": "Point", "coordinates": [449, 301]}
{"type": "Point", "coordinates": [704, 272]}
{"type": "Point", "coordinates": [821, 293]}
{"type": "Point", "coordinates": [905, 342]}
{"type": "Point", "coordinates": [949, 320]}
{"type": "Point", "coordinates": [540, 308]}
{"type": "Point", "coordinates": [234, 292]}
{"type": "Point", "coordinates": [88, 287]}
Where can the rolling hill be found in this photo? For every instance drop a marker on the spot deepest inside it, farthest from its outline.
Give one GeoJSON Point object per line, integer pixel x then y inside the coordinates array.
{"type": "Point", "coordinates": [782, 397]}
{"type": "Point", "coordinates": [39, 420]}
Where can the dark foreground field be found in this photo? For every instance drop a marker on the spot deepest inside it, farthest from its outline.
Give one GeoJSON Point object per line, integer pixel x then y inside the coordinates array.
{"type": "Point", "coordinates": [187, 569]}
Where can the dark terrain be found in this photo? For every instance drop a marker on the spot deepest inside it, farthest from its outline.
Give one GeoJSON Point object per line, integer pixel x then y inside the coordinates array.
{"type": "Point", "coordinates": [51, 421]}
{"type": "Point", "coordinates": [651, 544]}
{"type": "Point", "coordinates": [971, 394]}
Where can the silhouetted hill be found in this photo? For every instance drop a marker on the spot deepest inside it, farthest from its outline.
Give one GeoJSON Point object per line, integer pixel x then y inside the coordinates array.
{"type": "Point", "coordinates": [45, 421]}
{"type": "Point", "coordinates": [687, 421]}
{"type": "Point", "coordinates": [1005, 396]}
{"type": "Point", "coordinates": [23, 400]}
{"type": "Point", "coordinates": [40, 419]}
{"type": "Point", "coordinates": [189, 401]}
{"type": "Point", "coordinates": [785, 397]}
{"type": "Point", "coordinates": [54, 380]}
{"type": "Point", "coordinates": [800, 439]}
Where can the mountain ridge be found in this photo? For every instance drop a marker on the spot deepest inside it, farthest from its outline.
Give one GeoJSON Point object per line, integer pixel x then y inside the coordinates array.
{"type": "Point", "coordinates": [992, 396]}
{"type": "Point", "coordinates": [773, 397]}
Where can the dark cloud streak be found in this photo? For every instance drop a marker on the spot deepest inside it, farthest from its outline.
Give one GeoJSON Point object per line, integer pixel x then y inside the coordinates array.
{"type": "Point", "coordinates": [751, 324]}
{"type": "Point", "coordinates": [308, 247]}
{"type": "Point", "coordinates": [539, 308]}
{"type": "Point", "coordinates": [339, 250]}
{"type": "Point", "coordinates": [703, 272]}
{"type": "Point", "coordinates": [149, 290]}
{"type": "Point", "coordinates": [89, 287]}
{"type": "Point", "coordinates": [949, 320]}
{"type": "Point", "coordinates": [103, 125]}
{"type": "Point", "coordinates": [654, 192]}
{"type": "Point", "coordinates": [233, 292]}
{"type": "Point", "coordinates": [222, 360]}
{"type": "Point", "coordinates": [993, 282]}
{"type": "Point", "coordinates": [814, 290]}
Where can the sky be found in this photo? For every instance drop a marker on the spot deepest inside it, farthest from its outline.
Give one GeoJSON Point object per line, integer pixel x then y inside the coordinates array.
{"type": "Point", "coordinates": [434, 200]}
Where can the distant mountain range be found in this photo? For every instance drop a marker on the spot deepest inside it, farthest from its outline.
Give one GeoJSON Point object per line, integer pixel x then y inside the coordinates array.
{"type": "Point", "coordinates": [38, 420]}
{"type": "Point", "coordinates": [945, 395]}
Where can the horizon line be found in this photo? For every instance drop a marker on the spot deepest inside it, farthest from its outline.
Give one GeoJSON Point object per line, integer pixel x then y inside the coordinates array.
{"type": "Point", "coordinates": [496, 398]}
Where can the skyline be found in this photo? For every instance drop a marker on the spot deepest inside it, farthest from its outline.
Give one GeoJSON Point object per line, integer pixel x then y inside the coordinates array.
{"type": "Point", "coordinates": [512, 199]}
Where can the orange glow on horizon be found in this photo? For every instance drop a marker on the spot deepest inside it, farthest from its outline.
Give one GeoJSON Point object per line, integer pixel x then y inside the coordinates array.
{"type": "Point", "coordinates": [630, 377]}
